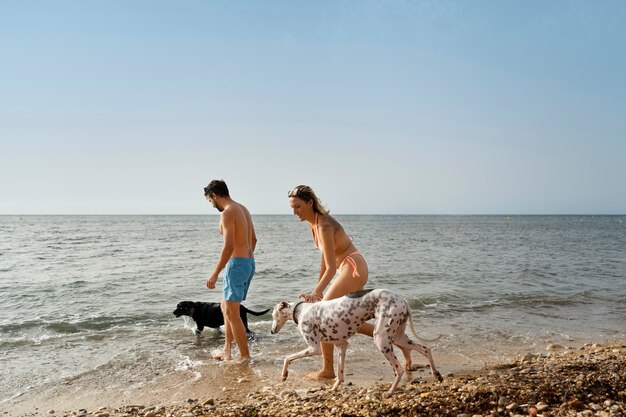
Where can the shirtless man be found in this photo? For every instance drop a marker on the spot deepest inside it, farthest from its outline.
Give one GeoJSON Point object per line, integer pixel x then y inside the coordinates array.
{"type": "Point", "coordinates": [237, 260]}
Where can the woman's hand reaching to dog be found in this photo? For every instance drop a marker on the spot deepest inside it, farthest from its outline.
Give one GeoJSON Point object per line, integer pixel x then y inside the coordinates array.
{"type": "Point", "coordinates": [314, 297]}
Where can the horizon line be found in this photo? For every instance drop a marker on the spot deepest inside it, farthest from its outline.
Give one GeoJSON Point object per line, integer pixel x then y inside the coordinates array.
{"type": "Point", "coordinates": [334, 214]}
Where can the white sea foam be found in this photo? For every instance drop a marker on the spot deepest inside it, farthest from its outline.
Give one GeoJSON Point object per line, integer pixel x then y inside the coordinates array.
{"type": "Point", "coordinates": [185, 363]}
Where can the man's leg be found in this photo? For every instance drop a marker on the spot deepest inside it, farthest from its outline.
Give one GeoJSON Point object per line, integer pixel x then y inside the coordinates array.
{"type": "Point", "coordinates": [232, 318]}
{"type": "Point", "coordinates": [226, 354]}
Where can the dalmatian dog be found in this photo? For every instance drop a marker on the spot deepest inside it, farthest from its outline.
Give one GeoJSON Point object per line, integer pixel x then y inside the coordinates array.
{"type": "Point", "coordinates": [335, 321]}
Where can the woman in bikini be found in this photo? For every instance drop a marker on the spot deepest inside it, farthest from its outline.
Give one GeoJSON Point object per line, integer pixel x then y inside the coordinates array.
{"type": "Point", "coordinates": [338, 255]}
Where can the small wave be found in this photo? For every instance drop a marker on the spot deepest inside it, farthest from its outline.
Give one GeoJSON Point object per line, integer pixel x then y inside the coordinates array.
{"type": "Point", "coordinates": [270, 271]}
{"type": "Point", "coordinates": [17, 327]}
{"type": "Point", "coordinates": [550, 300]}
{"type": "Point", "coordinates": [63, 328]}
{"type": "Point", "coordinates": [77, 284]}
{"type": "Point", "coordinates": [18, 394]}
{"type": "Point", "coordinates": [69, 325]}
{"type": "Point", "coordinates": [24, 341]}
{"type": "Point", "coordinates": [7, 268]}
{"type": "Point", "coordinates": [82, 240]}
{"type": "Point", "coordinates": [55, 246]}
{"type": "Point", "coordinates": [110, 252]}
{"type": "Point", "coordinates": [186, 363]}
{"type": "Point", "coordinates": [537, 273]}
{"type": "Point", "coordinates": [458, 304]}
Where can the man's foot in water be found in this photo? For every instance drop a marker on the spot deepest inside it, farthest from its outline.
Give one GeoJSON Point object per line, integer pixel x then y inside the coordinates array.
{"type": "Point", "coordinates": [222, 355]}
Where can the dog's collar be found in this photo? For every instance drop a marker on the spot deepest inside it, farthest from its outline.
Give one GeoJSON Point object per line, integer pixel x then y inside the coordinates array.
{"type": "Point", "coordinates": [295, 319]}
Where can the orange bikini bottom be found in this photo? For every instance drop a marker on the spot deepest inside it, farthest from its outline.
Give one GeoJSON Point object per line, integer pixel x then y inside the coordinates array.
{"type": "Point", "coordinates": [352, 263]}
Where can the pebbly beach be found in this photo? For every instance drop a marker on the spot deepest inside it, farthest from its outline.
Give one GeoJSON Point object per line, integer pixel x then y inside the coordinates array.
{"type": "Point", "coordinates": [589, 380]}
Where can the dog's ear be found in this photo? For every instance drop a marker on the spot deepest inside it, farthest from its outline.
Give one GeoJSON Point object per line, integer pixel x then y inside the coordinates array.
{"type": "Point", "coordinates": [284, 304]}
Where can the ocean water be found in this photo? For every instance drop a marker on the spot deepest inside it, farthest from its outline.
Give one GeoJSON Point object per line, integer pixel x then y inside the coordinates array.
{"type": "Point", "coordinates": [94, 295]}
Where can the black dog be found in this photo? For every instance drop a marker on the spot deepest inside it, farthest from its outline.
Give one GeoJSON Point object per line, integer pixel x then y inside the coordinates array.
{"type": "Point", "coordinates": [210, 314]}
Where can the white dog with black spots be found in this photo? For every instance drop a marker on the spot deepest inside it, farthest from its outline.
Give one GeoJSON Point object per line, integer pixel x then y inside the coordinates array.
{"type": "Point", "coordinates": [335, 321]}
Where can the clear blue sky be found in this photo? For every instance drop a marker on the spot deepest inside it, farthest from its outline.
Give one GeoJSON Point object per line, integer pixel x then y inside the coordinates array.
{"type": "Point", "coordinates": [425, 107]}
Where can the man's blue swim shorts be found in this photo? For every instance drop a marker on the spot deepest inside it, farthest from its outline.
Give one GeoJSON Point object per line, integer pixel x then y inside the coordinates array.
{"type": "Point", "coordinates": [238, 274]}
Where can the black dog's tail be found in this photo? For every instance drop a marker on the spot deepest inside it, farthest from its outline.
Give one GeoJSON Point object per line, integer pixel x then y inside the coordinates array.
{"type": "Point", "coordinates": [256, 313]}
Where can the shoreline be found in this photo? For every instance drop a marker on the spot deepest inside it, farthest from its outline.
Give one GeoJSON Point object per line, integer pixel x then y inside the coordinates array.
{"type": "Point", "coordinates": [557, 382]}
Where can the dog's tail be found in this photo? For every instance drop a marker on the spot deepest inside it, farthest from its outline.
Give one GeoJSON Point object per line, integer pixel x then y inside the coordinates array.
{"type": "Point", "coordinates": [413, 329]}
{"type": "Point", "coordinates": [257, 313]}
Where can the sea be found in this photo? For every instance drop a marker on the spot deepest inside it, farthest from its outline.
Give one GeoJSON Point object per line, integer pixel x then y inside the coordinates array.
{"type": "Point", "coordinates": [89, 300]}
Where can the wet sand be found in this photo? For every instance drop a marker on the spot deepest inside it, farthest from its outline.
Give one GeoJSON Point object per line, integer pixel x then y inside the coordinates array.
{"type": "Point", "coordinates": [549, 381]}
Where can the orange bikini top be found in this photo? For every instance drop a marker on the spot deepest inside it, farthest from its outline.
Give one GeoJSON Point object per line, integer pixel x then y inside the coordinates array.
{"type": "Point", "coordinates": [317, 241]}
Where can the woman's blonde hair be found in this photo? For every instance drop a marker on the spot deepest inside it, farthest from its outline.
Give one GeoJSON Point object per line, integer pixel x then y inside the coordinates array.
{"type": "Point", "coordinates": [306, 193]}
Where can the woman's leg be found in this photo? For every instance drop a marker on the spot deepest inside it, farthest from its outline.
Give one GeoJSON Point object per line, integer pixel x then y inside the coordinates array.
{"type": "Point", "coordinates": [345, 283]}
